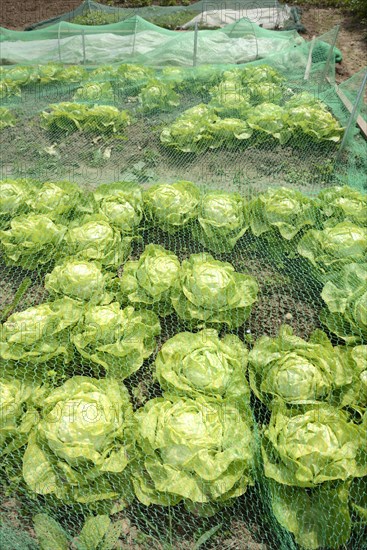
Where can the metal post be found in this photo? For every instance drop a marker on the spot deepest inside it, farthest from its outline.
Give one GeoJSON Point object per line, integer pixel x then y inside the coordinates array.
{"type": "Point", "coordinates": [83, 46]}
{"type": "Point", "coordinates": [194, 60]}
{"type": "Point", "coordinates": [309, 60]}
{"type": "Point", "coordinates": [330, 55]}
{"type": "Point", "coordinates": [352, 117]}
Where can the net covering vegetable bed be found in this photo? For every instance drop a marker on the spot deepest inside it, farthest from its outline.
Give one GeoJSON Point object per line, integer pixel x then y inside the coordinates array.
{"type": "Point", "coordinates": [183, 310]}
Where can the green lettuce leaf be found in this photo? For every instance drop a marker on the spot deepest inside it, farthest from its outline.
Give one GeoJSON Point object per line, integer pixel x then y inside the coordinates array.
{"type": "Point", "coordinates": [298, 372]}
{"type": "Point", "coordinates": [40, 333]}
{"type": "Point", "coordinates": [80, 280]}
{"type": "Point", "coordinates": [118, 339]}
{"type": "Point", "coordinates": [148, 281]}
{"type": "Point", "coordinates": [192, 449]}
{"type": "Point", "coordinates": [122, 205]}
{"type": "Point", "coordinates": [318, 518]}
{"type": "Point", "coordinates": [307, 447]}
{"type": "Point", "coordinates": [171, 206]}
{"type": "Point", "coordinates": [82, 443]}
{"type": "Point", "coordinates": [211, 293]}
{"type": "Point", "coordinates": [33, 240]}
{"type": "Point", "coordinates": [93, 238]}
{"type": "Point", "coordinates": [202, 364]}
{"type": "Point", "coordinates": [346, 298]}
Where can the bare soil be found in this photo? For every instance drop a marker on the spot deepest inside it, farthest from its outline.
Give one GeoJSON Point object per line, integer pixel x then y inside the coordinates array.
{"type": "Point", "coordinates": [17, 14]}
{"type": "Point", "coordinates": [352, 39]}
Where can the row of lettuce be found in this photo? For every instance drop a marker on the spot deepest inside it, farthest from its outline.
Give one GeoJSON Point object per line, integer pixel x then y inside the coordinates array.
{"type": "Point", "coordinates": [80, 440]}
{"type": "Point", "coordinates": [50, 222]}
{"type": "Point", "coordinates": [81, 443]}
{"type": "Point", "coordinates": [253, 103]}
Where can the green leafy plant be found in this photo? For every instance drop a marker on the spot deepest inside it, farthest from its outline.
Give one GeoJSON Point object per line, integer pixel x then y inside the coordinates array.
{"type": "Point", "coordinates": [202, 364]}
{"type": "Point", "coordinates": [318, 517]}
{"type": "Point", "coordinates": [98, 532]}
{"type": "Point", "coordinates": [227, 132]}
{"type": "Point", "coordinates": [297, 372]}
{"type": "Point", "coordinates": [221, 221]}
{"type": "Point", "coordinates": [8, 88]}
{"type": "Point", "coordinates": [355, 395]}
{"type": "Point", "coordinates": [258, 74]}
{"type": "Point", "coordinates": [346, 299]}
{"type": "Point", "coordinates": [83, 442]}
{"type": "Point", "coordinates": [121, 203]}
{"type": "Point", "coordinates": [158, 95]}
{"type": "Point", "coordinates": [80, 280]}
{"type": "Point", "coordinates": [148, 281]}
{"type": "Point", "coordinates": [314, 122]}
{"type": "Point", "coordinates": [7, 118]}
{"type": "Point", "coordinates": [327, 434]}
{"type": "Point", "coordinates": [269, 120]}
{"type": "Point", "coordinates": [131, 78]}
{"type": "Point", "coordinates": [117, 339]}
{"type": "Point", "coordinates": [18, 412]}
{"type": "Point", "coordinates": [282, 209]}
{"type": "Point", "coordinates": [192, 450]}
{"type": "Point", "coordinates": [210, 292]}
{"type": "Point", "coordinates": [95, 91]}
{"type": "Point", "coordinates": [33, 240]}
{"type": "Point", "coordinates": [171, 206]}
{"type": "Point", "coordinates": [20, 75]}
{"type": "Point", "coordinates": [57, 72]}
{"type": "Point", "coordinates": [357, 496]}
{"type": "Point", "coordinates": [56, 200]}
{"type": "Point", "coordinates": [98, 119]}
{"type": "Point", "coordinates": [93, 238]}
{"type": "Point", "coordinates": [229, 98]}
{"type": "Point", "coordinates": [338, 204]}
{"type": "Point", "coordinates": [14, 195]}
{"type": "Point", "coordinates": [40, 333]}
{"type": "Point", "coordinates": [189, 132]}
{"type": "Point", "coordinates": [200, 128]}
{"type": "Point", "coordinates": [330, 249]}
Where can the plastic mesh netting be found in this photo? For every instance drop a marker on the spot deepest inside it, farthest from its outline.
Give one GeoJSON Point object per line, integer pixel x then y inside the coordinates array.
{"type": "Point", "coordinates": [137, 40]}
{"type": "Point", "coordinates": [183, 306]}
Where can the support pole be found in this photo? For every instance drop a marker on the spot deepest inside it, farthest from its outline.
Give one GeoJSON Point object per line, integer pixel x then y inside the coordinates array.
{"type": "Point", "coordinates": [309, 60]}
{"type": "Point", "coordinates": [83, 46]}
{"type": "Point", "coordinates": [196, 36]}
{"type": "Point", "coordinates": [352, 117]}
{"type": "Point", "coordinates": [58, 42]}
{"type": "Point", "coordinates": [134, 37]}
{"type": "Point", "coordinates": [329, 57]}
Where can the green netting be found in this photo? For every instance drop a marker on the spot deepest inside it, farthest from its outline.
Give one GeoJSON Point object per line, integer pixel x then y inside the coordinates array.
{"type": "Point", "coordinates": [137, 40]}
{"type": "Point", "coordinates": [267, 12]}
{"type": "Point", "coordinates": [183, 305]}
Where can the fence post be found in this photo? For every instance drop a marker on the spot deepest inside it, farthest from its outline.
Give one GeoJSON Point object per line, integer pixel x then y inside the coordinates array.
{"type": "Point", "coordinates": [330, 55]}
{"type": "Point", "coordinates": [134, 36]}
{"type": "Point", "coordinates": [309, 60]}
{"type": "Point", "coordinates": [194, 60]}
{"type": "Point", "coordinates": [58, 42]}
{"type": "Point", "coordinates": [83, 46]}
{"type": "Point", "coordinates": [352, 117]}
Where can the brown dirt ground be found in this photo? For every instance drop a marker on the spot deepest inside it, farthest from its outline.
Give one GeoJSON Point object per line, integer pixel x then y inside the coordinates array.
{"type": "Point", "coordinates": [16, 14]}
{"type": "Point", "coordinates": [352, 39]}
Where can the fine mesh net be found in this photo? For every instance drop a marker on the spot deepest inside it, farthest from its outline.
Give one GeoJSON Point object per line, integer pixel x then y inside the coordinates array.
{"type": "Point", "coordinates": [183, 306]}
{"type": "Point", "coordinates": [137, 40]}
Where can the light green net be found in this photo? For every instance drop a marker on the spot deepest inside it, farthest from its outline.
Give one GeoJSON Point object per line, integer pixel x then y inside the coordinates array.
{"type": "Point", "coordinates": [183, 337]}
{"type": "Point", "coordinates": [137, 40]}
